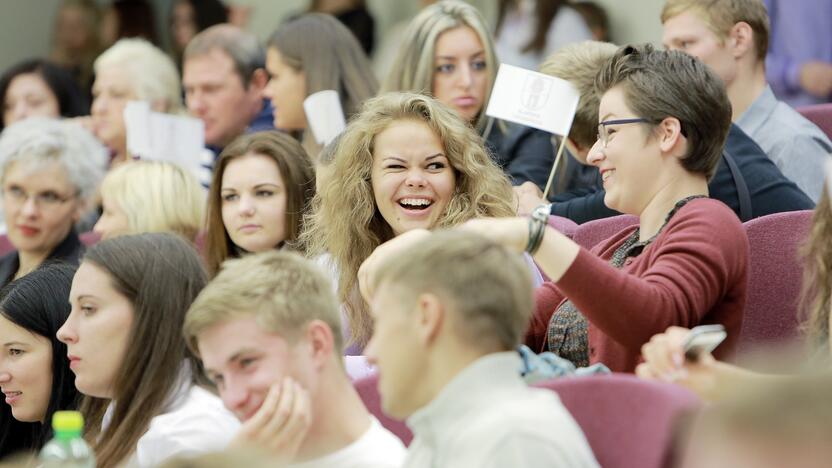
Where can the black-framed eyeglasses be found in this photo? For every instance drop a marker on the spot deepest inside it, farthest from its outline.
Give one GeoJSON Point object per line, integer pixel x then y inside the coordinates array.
{"type": "Point", "coordinates": [603, 135]}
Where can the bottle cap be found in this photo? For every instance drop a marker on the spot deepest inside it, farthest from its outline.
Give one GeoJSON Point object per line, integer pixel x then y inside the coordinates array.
{"type": "Point", "coordinates": [69, 421]}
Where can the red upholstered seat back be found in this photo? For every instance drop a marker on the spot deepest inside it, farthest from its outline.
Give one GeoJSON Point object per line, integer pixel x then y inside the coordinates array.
{"type": "Point", "coordinates": [368, 390]}
{"type": "Point", "coordinates": [820, 115]}
{"type": "Point", "coordinates": [628, 421]}
{"type": "Point", "coordinates": [593, 232]}
{"type": "Point", "coordinates": [774, 278]}
{"type": "Point", "coordinates": [565, 226]}
{"type": "Point", "coordinates": [5, 245]}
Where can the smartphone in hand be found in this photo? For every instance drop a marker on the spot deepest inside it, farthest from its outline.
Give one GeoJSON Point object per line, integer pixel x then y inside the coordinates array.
{"type": "Point", "coordinates": [703, 339]}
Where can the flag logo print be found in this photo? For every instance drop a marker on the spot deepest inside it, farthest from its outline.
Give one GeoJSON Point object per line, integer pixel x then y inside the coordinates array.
{"type": "Point", "coordinates": [535, 93]}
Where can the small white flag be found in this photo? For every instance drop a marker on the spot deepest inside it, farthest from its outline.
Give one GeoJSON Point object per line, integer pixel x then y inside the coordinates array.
{"type": "Point", "coordinates": [533, 99]}
{"type": "Point", "coordinates": [165, 137]}
{"type": "Point", "coordinates": [324, 115]}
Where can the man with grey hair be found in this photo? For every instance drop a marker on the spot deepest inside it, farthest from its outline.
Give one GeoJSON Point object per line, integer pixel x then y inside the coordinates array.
{"type": "Point", "coordinates": [223, 76]}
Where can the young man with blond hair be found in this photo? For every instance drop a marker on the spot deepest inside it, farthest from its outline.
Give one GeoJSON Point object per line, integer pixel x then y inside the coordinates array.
{"type": "Point", "coordinates": [731, 37]}
{"type": "Point", "coordinates": [449, 309]}
{"type": "Point", "coordinates": [268, 331]}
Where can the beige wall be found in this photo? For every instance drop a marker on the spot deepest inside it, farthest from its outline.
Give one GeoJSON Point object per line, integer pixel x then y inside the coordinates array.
{"type": "Point", "coordinates": [26, 25]}
{"type": "Point", "coordinates": [25, 29]}
{"type": "Point", "coordinates": [634, 20]}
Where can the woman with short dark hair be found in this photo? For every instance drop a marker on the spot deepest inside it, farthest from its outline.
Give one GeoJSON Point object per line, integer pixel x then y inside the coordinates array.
{"type": "Point", "coordinates": [663, 120]}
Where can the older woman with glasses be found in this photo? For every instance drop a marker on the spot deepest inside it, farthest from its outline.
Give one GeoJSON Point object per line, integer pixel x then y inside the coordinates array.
{"type": "Point", "coordinates": [48, 171]}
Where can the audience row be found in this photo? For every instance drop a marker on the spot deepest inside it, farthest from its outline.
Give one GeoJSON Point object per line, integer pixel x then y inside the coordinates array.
{"type": "Point", "coordinates": [401, 242]}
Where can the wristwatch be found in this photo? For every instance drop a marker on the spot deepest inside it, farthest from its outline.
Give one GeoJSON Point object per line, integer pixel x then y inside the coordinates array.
{"type": "Point", "coordinates": [537, 225]}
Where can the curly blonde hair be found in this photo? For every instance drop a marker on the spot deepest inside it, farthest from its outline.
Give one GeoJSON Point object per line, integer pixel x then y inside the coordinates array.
{"type": "Point", "coordinates": [344, 220]}
{"type": "Point", "coordinates": [816, 295]}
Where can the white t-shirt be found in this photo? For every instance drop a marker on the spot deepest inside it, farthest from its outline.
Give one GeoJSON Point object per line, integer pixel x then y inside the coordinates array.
{"type": "Point", "coordinates": [377, 448]}
{"type": "Point", "coordinates": [197, 423]}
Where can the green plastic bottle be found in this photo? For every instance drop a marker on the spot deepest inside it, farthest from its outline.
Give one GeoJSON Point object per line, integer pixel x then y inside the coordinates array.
{"type": "Point", "coordinates": [67, 449]}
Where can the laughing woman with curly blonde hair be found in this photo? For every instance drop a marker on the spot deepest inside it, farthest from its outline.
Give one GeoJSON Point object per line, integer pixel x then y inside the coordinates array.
{"type": "Point", "coordinates": [405, 162]}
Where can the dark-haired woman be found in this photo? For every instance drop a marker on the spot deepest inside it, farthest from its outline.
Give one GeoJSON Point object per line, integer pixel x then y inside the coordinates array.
{"type": "Point", "coordinates": [34, 372]}
{"type": "Point", "coordinates": [38, 88]}
{"type": "Point", "coordinates": [190, 17]}
{"type": "Point", "coordinates": [142, 401]}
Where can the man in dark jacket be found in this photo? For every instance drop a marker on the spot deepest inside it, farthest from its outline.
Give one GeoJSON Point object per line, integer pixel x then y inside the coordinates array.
{"type": "Point", "coordinates": [746, 179]}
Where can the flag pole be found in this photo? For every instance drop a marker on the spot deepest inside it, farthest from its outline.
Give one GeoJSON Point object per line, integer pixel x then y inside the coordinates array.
{"type": "Point", "coordinates": [554, 167]}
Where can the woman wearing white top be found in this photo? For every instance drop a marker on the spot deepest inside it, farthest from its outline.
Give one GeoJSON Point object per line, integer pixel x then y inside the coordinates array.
{"type": "Point", "coordinates": [528, 31]}
{"type": "Point", "coordinates": [124, 340]}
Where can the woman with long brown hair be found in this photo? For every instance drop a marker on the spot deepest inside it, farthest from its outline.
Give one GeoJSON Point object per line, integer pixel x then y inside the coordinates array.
{"type": "Point", "coordinates": [405, 162]}
{"type": "Point", "coordinates": [143, 402]}
{"type": "Point", "coordinates": [315, 52]}
{"type": "Point", "coordinates": [262, 184]}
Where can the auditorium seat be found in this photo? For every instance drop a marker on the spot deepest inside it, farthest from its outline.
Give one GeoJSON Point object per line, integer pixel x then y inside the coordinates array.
{"type": "Point", "coordinates": [199, 242]}
{"type": "Point", "coordinates": [5, 245]}
{"type": "Point", "coordinates": [368, 391]}
{"type": "Point", "coordinates": [89, 238]}
{"type": "Point", "coordinates": [774, 278]}
{"type": "Point", "coordinates": [592, 232]}
{"type": "Point", "coordinates": [565, 226]}
{"type": "Point", "coordinates": [820, 115]}
{"type": "Point", "coordinates": [628, 422]}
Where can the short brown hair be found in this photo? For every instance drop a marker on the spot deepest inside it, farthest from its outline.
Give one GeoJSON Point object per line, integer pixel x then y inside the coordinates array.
{"type": "Point", "coordinates": [283, 290]}
{"type": "Point", "coordinates": [721, 15]}
{"type": "Point", "coordinates": [658, 84]}
{"type": "Point", "coordinates": [488, 288]}
{"type": "Point", "coordinates": [578, 64]}
{"type": "Point", "coordinates": [241, 46]}
{"type": "Point", "coordinates": [298, 175]}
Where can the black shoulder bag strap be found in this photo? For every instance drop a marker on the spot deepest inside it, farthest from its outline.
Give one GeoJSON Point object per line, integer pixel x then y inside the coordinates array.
{"type": "Point", "coordinates": [742, 188]}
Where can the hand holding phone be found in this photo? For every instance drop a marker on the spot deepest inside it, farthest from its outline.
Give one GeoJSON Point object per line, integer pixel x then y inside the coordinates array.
{"type": "Point", "coordinates": [703, 339]}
